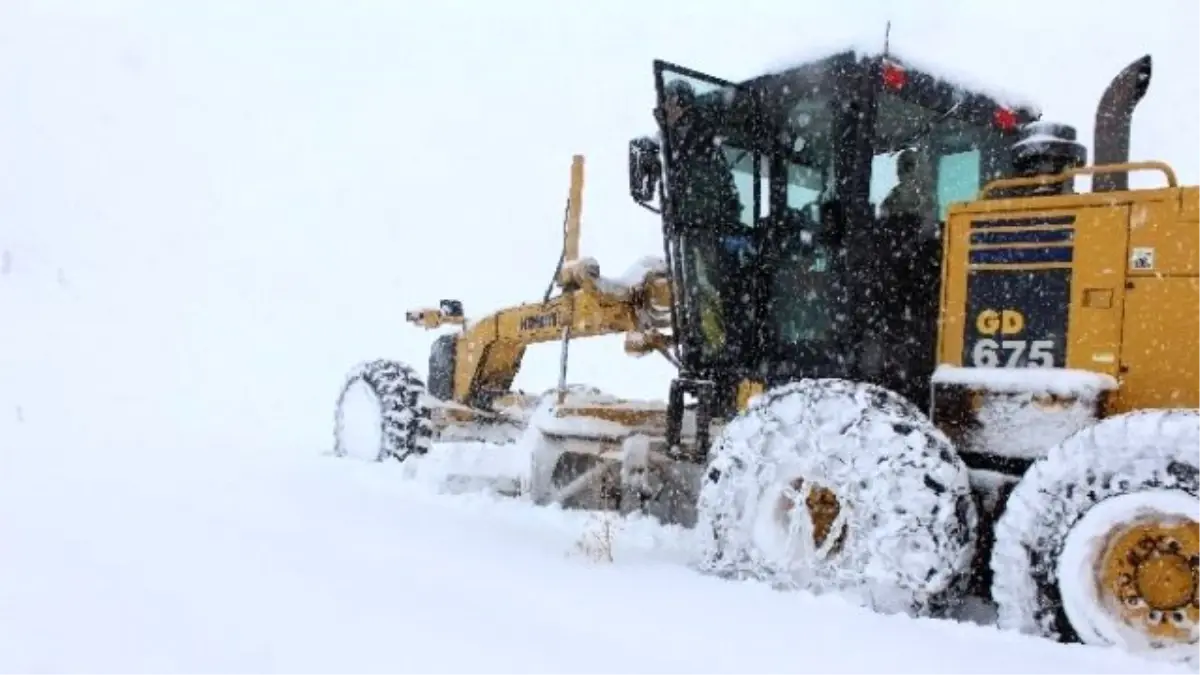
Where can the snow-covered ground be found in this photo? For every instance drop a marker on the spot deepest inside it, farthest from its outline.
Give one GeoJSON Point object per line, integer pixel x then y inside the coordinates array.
{"type": "Point", "coordinates": [209, 211]}
{"type": "Point", "coordinates": [215, 563]}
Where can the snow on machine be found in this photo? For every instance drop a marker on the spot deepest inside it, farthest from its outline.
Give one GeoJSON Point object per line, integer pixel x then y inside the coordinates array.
{"type": "Point", "coordinates": [916, 358]}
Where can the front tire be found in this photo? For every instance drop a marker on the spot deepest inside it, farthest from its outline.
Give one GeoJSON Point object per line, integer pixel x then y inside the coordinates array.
{"type": "Point", "coordinates": [382, 412]}
{"type": "Point", "coordinates": [831, 485]}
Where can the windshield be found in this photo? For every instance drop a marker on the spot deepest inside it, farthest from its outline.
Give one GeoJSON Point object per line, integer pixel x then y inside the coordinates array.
{"type": "Point", "coordinates": [799, 260]}
{"type": "Point", "coordinates": [800, 282]}
{"type": "Point", "coordinates": [925, 161]}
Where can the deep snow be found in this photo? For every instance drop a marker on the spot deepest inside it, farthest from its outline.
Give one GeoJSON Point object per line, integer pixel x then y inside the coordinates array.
{"type": "Point", "coordinates": [160, 564]}
{"type": "Point", "coordinates": [210, 211]}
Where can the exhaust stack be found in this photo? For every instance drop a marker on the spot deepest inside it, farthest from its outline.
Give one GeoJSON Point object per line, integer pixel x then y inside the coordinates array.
{"type": "Point", "coordinates": [1114, 118]}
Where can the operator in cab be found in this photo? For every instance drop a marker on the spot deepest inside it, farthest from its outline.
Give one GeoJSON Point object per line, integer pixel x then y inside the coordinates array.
{"type": "Point", "coordinates": [912, 196]}
{"type": "Point", "coordinates": [904, 251]}
{"type": "Point", "coordinates": [711, 198]}
{"type": "Point", "coordinates": [707, 209]}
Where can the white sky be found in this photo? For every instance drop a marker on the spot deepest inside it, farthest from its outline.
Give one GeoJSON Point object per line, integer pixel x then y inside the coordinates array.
{"type": "Point", "coordinates": [238, 199]}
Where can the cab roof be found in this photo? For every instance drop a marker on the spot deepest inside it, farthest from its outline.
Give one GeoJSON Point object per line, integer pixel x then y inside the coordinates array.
{"type": "Point", "coordinates": [848, 71]}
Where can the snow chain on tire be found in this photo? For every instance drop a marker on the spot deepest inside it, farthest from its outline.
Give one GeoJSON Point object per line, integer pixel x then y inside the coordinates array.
{"type": "Point", "coordinates": [407, 428]}
{"type": "Point", "coordinates": [908, 529]}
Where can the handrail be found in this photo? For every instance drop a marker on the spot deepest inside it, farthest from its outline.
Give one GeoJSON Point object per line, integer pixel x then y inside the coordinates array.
{"type": "Point", "coordinates": [1003, 183]}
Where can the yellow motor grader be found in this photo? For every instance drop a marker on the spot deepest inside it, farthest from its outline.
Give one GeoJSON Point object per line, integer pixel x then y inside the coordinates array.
{"type": "Point", "coordinates": [918, 358]}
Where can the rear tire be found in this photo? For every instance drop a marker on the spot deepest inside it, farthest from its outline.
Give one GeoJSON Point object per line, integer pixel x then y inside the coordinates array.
{"type": "Point", "coordinates": [895, 525]}
{"type": "Point", "coordinates": [382, 412]}
{"type": "Point", "coordinates": [1052, 562]}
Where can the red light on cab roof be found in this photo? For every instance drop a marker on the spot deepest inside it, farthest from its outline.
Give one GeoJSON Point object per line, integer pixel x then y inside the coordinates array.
{"type": "Point", "coordinates": [1005, 119]}
{"type": "Point", "coordinates": [894, 76]}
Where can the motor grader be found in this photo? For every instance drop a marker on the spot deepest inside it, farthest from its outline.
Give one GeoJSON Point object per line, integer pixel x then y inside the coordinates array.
{"type": "Point", "coordinates": [917, 357]}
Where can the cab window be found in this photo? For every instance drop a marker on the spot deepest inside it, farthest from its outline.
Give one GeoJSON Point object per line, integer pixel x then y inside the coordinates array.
{"type": "Point", "coordinates": [949, 156]}
{"type": "Point", "coordinates": [958, 179]}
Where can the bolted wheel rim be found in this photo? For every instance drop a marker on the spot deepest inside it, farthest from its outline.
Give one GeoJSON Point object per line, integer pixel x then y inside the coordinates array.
{"type": "Point", "coordinates": [1148, 576]}
{"type": "Point", "coordinates": [800, 522]}
{"type": "Point", "coordinates": [821, 507]}
{"type": "Point", "coordinates": [1128, 573]}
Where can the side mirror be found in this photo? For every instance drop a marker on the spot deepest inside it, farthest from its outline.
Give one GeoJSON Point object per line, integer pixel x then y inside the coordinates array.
{"type": "Point", "coordinates": [451, 308]}
{"type": "Point", "coordinates": [645, 171]}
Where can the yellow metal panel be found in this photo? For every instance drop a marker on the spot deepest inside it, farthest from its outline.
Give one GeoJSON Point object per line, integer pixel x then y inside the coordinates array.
{"type": "Point", "coordinates": [1135, 304]}
{"type": "Point", "coordinates": [954, 287]}
{"type": "Point", "coordinates": [1067, 202]}
{"type": "Point", "coordinates": [1094, 330]}
{"type": "Point", "coordinates": [1097, 284]}
{"type": "Point", "coordinates": [489, 354]}
{"type": "Point", "coordinates": [1161, 243]}
{"type": "Point", "coordinates": [470, 351]}
{"type": "Point", "coordinates": [1161, 351]}
{"type": "Point", "coordinates": [574, 210]}
{"type": "Point", "coordinates": [1190, 203]}
{"type": "Point", "coordinates": [957, 270]}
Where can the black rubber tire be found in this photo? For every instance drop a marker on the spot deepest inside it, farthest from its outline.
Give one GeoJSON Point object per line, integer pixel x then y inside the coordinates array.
{"type": "Point", "coordinates": [406, 424]}
{"type": "Point", "coordinates": [910, 534]}
{"type": "Point", "coordinates": [1120, 455]}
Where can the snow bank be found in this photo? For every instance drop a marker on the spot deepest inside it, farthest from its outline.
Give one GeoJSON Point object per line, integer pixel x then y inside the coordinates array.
{"type": "Point", "coordinates": [472, 466]}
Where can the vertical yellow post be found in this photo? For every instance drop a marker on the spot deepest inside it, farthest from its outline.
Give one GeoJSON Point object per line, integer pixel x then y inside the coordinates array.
{"type": "Point", "coordinates": [570, 254]}
{"type": "Point", "coordinates": [574, 210]}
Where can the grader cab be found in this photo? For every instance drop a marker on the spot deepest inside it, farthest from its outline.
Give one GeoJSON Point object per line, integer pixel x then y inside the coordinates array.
{"type": "Point", "coordinates": [788, 257]}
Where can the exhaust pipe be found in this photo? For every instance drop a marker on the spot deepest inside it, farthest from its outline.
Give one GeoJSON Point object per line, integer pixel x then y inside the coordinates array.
{"type": "Point", "coordinates": [1114, 118]}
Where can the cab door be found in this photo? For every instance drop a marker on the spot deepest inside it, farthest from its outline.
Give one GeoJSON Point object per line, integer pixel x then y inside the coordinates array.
{"type": "Point", "coordinates": [713, 198]}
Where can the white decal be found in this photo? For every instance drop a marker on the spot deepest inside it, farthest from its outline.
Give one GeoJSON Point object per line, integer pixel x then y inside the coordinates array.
{"type": "Point", "coordinates": [1142, 258]}
{"type": "Point", "coordinates": [989, 353]}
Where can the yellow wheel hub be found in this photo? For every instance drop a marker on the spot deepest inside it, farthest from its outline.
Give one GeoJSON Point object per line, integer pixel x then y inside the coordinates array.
{"type": "Point", "coordinates": [1148, 578]}
{"type": "Point", "coordinates": [823, 509]}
